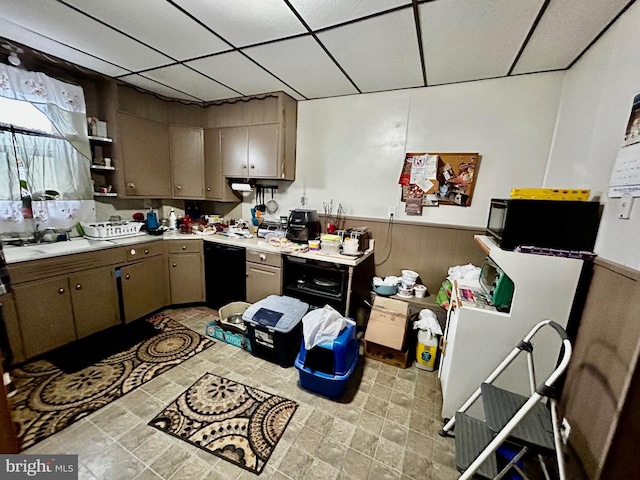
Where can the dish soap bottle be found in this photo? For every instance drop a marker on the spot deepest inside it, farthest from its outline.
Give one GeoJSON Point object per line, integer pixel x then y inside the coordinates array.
{"type": "Point", "coordinates": [152, 220]}
{"type": "Point", "coordinates": [173, 221]}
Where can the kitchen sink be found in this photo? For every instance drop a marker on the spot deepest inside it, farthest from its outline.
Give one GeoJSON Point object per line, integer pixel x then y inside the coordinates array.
{"type": "Point", "coordinates": [31, 251]}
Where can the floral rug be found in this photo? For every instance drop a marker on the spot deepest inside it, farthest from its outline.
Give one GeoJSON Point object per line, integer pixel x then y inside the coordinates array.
{"type": "Point", "coordinates": [49, 400]}
{"type": "Point", "coordinates": [238, 423]}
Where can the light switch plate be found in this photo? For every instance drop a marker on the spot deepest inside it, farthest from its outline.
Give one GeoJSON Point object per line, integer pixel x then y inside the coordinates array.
{"type": "Point", "coordinates": [624, 207]}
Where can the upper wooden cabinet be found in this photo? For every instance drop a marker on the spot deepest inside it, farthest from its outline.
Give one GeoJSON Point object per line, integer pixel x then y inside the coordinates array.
{"type": "Point", "coordinates": [250, 152]}
{"type": "Point", "coordinates": [187, 162]}
{"type": "Point", "coordinates": [258, 137]}
{"type": "Point", "coordinates": [216, 185]}
{"type": "Point", "coordinates": [146, 166]}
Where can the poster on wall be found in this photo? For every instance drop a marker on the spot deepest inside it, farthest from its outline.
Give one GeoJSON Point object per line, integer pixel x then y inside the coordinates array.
{"type": "Point", "coordinates": [625, 176]}
{"type": "Point", "coordinates": [433, 179]}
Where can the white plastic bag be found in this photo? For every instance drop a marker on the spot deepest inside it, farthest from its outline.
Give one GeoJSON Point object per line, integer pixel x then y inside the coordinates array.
{"type": "Point", "coordinates": [428, 322]}
{"type": "Point", "coordinates": [322, 325]}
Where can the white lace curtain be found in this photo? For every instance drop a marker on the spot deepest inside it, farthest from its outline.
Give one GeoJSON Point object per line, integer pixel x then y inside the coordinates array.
{"type": "Point", "coordinates": [59, 162]}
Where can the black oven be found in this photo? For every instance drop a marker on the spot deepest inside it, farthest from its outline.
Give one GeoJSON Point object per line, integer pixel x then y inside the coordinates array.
{"type": "Point", "coordinates": [557, 224]}
{"type": "Point", "coordinates": [315, 282]}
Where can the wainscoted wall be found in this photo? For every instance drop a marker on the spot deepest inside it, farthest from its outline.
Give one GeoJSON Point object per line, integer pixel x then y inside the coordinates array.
{"type": "Point", "coordinates": [602, 388]}
{"type": "Point", "coordinates": [428, 249]}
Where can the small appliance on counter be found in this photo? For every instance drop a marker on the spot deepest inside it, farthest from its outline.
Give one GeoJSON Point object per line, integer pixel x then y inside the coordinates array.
{"type": "Point", "coordinates": [304, 225]}
{"type": "Point", "coordinates": [271, 227]}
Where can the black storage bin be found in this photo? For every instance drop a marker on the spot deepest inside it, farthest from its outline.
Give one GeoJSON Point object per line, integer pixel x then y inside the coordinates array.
{"type": "Point", "coordinates": [275, 328]}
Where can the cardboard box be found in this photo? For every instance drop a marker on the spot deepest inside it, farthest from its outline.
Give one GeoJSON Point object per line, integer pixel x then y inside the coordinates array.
{"type": "Point", "coordinates": [387, 355]}
{"type": "Point", "coordinates": [388, 323]}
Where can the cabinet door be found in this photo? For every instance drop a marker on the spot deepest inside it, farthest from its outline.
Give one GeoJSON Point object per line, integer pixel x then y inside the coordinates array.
{"type": "Point", "coordinates": [233, 145]}
{"type": "Point", "coordinates": [187, 161]}
{"type": "Point", "coordinates": [46, 316]}
{"type": "Point", "coordinates": [262, 281]}
{"type": "Point", "coordinates": [94, 299]}
{"type": "Point", "coordinates": [263, 151]}
{"type": "Point", "coordinates": [186, 275]}
{"type": "Point", "coordinates": [145, 157]}
{"type": "Point", "coordinates": [12, 325]}
{"type": "Point", "coordinates": [216, 185]}
{"type": "Point", "coordinates": [144, 288]}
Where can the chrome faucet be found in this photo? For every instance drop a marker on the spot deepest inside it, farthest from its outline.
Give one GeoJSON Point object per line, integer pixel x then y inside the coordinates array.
{"type": "Point", "coordinates": [38, 235]}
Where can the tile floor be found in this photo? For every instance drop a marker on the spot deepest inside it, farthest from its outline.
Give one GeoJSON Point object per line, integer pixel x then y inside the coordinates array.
{"type": "Point", "coordinates": [387, 429]}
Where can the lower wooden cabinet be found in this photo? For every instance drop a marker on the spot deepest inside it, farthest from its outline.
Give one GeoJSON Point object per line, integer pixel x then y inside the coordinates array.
{"type": "Point", "coordinates": [144, 287]}
{"type": "Point", "coordinates": [58, 311]}
{"type": "Point", "coordinates": [186, 272]}
{"type": "Point", "coordinates": [264, 275]}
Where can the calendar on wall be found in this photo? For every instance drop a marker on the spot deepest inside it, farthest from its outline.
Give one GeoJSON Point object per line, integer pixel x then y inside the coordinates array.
{"type": "Point", "coordinates": [625, 176]}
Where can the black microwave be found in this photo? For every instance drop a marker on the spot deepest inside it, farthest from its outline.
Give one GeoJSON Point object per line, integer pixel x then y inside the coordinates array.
{"type": "Point", "coordinates": [558, 224]}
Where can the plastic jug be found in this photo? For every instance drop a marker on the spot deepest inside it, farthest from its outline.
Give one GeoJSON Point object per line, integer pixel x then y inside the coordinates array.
{"type": "Point", "coordinates": [426, 350]}
{"type": "Point", "coordinates": [152, 220]}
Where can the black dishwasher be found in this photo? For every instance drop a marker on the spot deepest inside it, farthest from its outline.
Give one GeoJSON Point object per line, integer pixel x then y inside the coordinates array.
{"type": "Point", "coordinates": [224, 271]}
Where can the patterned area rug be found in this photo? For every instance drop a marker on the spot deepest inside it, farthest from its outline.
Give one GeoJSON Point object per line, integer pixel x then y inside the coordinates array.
{"type": "Point", "coordinates": [48, 399]}
{"type": "Point", "coordinates": [233, 421]}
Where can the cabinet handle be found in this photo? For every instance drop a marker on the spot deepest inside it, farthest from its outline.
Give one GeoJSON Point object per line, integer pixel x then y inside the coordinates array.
{"type": "Point", "coordinates": [252, 166]}
{"type": "Point", "coordinates": [146, 252]}
{"type": "Point", "coordinates": [184, 247]}
{"type": "Point", "coordinates": [179, 187]}
{"type": "Point", "coordinates": [127, 277]}
{"type": "Point", "coordinates": [131, 185]}
{"type": "Point", "coordinates": [246, 274]}
{"type": "Point", "coordinates": [443, 346]}
{"type": "Point", "coordinates": [175, 265]}
{"type": "Point", "coordinates": [61, 291]}
{"type": "Point", "coordinates": [78, 286]}
{"type": "Point", "coordinates": [243, 167]}
{"type": "Point", "coordinates": [263, 256]}
{"type": "Point", "coordinates": [132, 251]}
{"type": "Point", "coordinates": [208, 189]}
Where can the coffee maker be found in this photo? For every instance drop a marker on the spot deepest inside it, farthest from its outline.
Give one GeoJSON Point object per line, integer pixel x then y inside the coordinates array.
{"type": "Point", "coordinates": [304, 225]}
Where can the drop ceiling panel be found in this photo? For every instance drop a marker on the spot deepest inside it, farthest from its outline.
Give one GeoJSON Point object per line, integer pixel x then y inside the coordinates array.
{"type": "Point", "coordinates": [190, 39]}
{"type": "Point", "coordinates": [246, 22]}
{"type": "Point", "coordinates": [63, 24]}
{"type": "Point", "coordinates": [565, 30]}
{"type": "Point", "coordinates": [190, 82]}
{"type": "Point", "coordinates": [305, 65]}
{"type": "Point", "coordinates": [151, 86]}
{"type": "Point", "coordinates": [21, 35]}
{"type": "Point", "coordinates": [380, 53]}
{"type": "Point", "coordinates": [240, 73]}
{"type": "Point", "coordinates": [473, 40]}
{"type": "Point", "coordinates": [324, 14]}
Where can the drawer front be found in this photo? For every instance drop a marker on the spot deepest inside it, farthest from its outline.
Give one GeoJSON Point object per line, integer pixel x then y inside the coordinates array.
{"type": "Point", "coordinates": [185, 246]}
{"type": "Point", "coordinates": [264, 258]}
{"type": "Point", "coordinates": [145, 250]}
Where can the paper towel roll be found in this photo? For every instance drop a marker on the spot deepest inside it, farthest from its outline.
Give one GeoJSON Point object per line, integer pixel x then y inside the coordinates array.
{"type": "Point", "coordinates": [241, 187]}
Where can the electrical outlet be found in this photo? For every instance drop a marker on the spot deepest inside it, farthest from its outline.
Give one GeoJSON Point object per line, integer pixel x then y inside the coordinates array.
{"type": "Point", "coordinates": [565, 431]}
{"type": "Point", "coordinates": [392, 211]}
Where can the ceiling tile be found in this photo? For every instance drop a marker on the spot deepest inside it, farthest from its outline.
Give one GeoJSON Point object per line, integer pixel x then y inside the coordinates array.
{"type": "Point", "coordinates": [36, 41]}
{"type": "Point", "coordinates": [63, 24]}
{"type": "Point", "coordinates": [152, 86]}
{"type": "Point", "coordinates": [565, 30]}
{"type": "Point", "coordinates": [305, 65]}
{"type": "Point", "coordinates": [240, 73]}
{"type": "Point", "coordinates": [191, 39]}
{"type": "Point", "coordinates": [473, 40]}
{"type": "Point", "coordinates": [324, 14]}
{"type": "Point", "coordinates": [380, 53]}
{"type": "Point", "coordinates": [246, 22]}
{"type": "Point", "coordinates": [190, 82]}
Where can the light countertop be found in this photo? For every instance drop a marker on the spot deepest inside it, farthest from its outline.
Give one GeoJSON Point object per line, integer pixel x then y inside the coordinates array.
{"type": "Point", "coordinates": [16, 254]}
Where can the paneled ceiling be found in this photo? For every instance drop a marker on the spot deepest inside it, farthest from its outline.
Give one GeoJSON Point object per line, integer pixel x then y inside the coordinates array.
{"type": "Point", "coordinates": [205, 50]}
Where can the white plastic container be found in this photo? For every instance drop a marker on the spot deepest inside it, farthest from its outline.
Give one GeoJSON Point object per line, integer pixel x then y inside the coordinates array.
{"type": "Point", "coordinates": [426, 350]}
{"type": "Point", "coordinates": [409, 277]}
{"type": "Point", "coordinates": [173, 221]}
